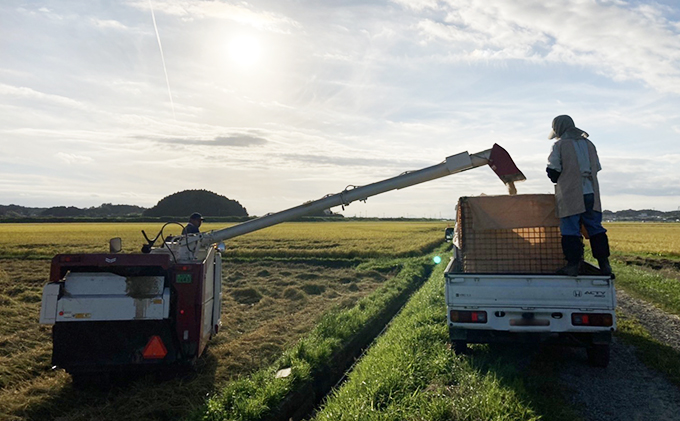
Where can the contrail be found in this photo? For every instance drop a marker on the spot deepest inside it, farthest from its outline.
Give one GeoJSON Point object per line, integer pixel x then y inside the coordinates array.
{"type": "Point", "coordinates": [160, 47]}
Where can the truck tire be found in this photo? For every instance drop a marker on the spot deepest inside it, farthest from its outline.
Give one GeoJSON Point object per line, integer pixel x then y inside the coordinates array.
{"type": "Point", "coordinates": [598, 355]}
{"type": "Point", "coordinates": [459, 347]}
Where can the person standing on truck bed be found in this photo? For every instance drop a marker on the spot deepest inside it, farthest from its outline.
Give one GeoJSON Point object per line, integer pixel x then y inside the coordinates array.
{"type": "Point", "coordinates": [195, 221]}
{"type": "Point", "coordinates": [573, 165]}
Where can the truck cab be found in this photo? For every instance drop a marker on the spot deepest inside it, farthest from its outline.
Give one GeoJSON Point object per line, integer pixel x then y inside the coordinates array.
{"type": "Point", "coordinates": [448, 234]}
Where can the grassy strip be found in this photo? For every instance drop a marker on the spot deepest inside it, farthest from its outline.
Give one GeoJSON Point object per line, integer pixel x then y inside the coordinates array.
{"type": "Point", "coordinates": [256, 396]}
{"type": "Point", "coordinates": [652, 352]}
{"type": "Point", "coordinates": [645, 255]}
{"type": "Point", "coordinates": [651, 287]}
{"type": "Point", "coordinates": [411, 373]}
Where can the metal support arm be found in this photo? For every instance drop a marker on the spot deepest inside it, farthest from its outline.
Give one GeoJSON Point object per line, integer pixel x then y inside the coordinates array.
{"type": "Point", "coordinates": [452, 165]}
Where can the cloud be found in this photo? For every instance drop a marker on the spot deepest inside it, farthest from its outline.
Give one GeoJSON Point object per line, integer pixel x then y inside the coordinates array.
{"type": "Point", "coordinates": [241, 13]}
{"type": "Point", "coordinates": [71, 158]}
{"type": "Point", "coordinates": [76, 18]}
{"type": "Point", "coordinates": [108, 24]}
{"type": "Point", "coordinates": [243, 140]}
{"type": "Point", "coordinates": [611, 38]}
{"type": "Point", "coordinates": [33, 95]}
{"type": "Point", "coordinates": [330, 160]}
{"type": "Point", "coordinates": [357, 92]}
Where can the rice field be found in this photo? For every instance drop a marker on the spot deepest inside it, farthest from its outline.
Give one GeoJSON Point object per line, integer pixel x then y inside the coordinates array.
{"type": "Point", "coordinates": [277, 283]}
{"type": "Point", "coordinates": [648, 239]}
{"type": "Point", "coordinates": [311, 239]}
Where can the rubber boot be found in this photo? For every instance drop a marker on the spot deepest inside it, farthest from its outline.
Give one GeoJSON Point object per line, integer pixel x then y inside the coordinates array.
{"type": "Point", "coordinates": [572, 247]}
{"type": "Point", "coordinates": [599, 243]}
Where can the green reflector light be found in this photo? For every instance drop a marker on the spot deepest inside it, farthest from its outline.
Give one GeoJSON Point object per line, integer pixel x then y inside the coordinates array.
{"type": "Point", "coordinates": [437, 260]}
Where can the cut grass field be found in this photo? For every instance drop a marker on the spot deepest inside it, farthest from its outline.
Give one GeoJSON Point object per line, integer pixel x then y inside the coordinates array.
{"type": "Point", "coordinates": [269, 305]}
{"type": "Point", "coordinates": [280, 286]}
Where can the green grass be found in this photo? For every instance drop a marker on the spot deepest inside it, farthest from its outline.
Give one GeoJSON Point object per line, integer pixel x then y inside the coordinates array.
{"type": "Point", "coordinates": [254, 397]}
{"type": "Point", "coordinates": [411, 374]}
{"type": "Point", "coordinates": [653, 287]}
{"type": "Point", "coordinates": [649, 286]}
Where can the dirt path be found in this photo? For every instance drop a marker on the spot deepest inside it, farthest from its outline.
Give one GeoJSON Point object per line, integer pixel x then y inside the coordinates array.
{"type": "Point", "coordinates": [627, 389]}
{"type": "Point", "coordinates": [664, 327]}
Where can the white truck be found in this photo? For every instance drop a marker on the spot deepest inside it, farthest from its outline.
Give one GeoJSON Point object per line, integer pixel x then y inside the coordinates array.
{"type": "Point", "coordinates": [501, 286]}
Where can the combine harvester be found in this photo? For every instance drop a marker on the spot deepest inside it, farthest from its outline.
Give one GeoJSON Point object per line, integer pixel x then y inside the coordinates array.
{"type": "Point", "coordinates": [121, 313]}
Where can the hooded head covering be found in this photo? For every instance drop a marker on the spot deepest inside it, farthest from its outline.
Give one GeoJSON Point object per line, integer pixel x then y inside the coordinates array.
{"type": "Point", "coordinates": [563, 124]}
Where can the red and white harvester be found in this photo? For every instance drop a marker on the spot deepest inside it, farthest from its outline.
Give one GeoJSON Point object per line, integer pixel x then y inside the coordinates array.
{"type": "Point", "coordinates": [117, 313]}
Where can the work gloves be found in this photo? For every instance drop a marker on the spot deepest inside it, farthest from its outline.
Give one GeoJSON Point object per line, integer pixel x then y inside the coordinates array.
{"type": "Point", "coordinates": [553, 175]}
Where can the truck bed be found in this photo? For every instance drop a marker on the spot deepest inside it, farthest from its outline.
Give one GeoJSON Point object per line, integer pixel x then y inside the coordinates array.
{"type": "Point", "coordinates": [530, 291]}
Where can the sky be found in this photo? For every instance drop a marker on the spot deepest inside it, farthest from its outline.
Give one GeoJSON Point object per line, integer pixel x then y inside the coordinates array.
{"type": "Point", "coordinates": [277, 102]}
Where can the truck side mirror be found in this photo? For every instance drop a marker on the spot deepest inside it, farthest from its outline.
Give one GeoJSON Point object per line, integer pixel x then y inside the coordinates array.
{"type": "Point", "coordinates": [115, 245]}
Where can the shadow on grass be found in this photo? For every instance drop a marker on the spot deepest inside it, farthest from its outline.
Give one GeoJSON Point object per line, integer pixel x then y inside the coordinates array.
{"type": "Point", "coordinates": [332, 262]}
{"type": "Point", "coordinates": [532, 372]}
{"type": "Point", "coordinates": [653, 353]}
{"type": "Point", "coordinates": [166, 395]}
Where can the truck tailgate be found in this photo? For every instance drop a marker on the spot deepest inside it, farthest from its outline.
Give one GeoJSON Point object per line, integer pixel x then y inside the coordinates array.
{"type": "Point", "coordinates": [529, 291]}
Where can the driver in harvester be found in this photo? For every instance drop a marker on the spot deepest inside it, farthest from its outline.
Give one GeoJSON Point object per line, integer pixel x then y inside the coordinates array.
{"type": "Point", "coordinates": [195, 221]}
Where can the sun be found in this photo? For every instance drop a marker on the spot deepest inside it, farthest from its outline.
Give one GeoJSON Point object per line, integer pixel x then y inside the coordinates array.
{"type": "Point", "coordinates": [244, 51]}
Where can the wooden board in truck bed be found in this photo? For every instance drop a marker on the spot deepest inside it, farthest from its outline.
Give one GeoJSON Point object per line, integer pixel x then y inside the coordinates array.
{"type": "Point", "coordinates": [509, 234]}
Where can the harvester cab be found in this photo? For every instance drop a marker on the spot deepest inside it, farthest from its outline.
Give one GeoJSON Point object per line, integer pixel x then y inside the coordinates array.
{"type": "Point", "coordinates": [158, 309]}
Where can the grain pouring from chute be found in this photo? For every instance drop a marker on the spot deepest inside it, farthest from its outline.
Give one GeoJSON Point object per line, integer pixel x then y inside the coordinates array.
{"type": "Point", "coordinates": [504, 167]}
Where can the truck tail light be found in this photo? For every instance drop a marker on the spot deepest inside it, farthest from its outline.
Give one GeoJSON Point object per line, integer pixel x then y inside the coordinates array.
{"type": "Point", "coordinates": [458, 316]}
{"type": "Point", "coordinates": [592, 319]}
{"type": "Point", "coordinates": [154, 349]}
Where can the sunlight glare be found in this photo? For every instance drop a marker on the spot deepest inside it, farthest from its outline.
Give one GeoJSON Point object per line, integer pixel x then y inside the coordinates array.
{"type": "Point", "coordinates": [244, 51]}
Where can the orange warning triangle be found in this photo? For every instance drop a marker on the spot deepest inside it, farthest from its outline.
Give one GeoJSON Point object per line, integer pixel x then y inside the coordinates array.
{"type": "Point", "coordinates": [154, 349]}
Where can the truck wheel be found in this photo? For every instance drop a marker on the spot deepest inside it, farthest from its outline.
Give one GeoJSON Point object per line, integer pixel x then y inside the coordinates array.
{"type": "Point", "coordinates": [598, 355]}
{"type": "Point", "coordinates": [459, 347]}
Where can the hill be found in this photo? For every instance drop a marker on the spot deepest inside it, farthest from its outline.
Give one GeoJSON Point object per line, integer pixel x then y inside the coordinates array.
{"type": "Point", "coordinates": [184, 203]}
{"type": "Point", "coordinates": [105, 210]}
{"type": "Point", "coordinates": [17, 211]}
{"type": "Point", "coordinates": [649, 215]}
